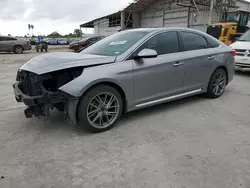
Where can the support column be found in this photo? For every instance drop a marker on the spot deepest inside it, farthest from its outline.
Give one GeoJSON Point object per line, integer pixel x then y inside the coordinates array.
{"type": "Point", "coordinates": [122, 20]}
{"type": "Point", "coordinates": [211, 12]}
{"type": "Point", "coordinates": [136, 18]}
{"type": "Point", "coordinates": [98, 28]}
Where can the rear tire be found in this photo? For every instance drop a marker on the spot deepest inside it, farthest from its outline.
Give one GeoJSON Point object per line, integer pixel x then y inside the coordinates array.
{"type": "Point", "coordinates": [99, 109]}
{"type": "Point", "coordinates": [18, 50]}
{"type": "Point", "coordinates": [217, 84]}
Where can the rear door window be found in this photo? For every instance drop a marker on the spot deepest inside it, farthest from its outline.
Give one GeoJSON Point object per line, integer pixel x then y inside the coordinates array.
{"type": "Point", "coordinates": [192, 41]}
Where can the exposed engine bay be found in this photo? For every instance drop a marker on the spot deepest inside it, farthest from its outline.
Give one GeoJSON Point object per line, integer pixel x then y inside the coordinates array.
{"type": "Point", "coordinates": [41, 93]}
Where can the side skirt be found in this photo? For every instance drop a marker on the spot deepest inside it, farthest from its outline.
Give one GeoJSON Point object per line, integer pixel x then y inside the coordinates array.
{"type": "Point", "coordinates": [158, 101]}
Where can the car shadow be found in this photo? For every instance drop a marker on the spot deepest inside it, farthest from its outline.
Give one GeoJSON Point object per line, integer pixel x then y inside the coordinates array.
{"type": "Point", "coordinates": [245, 73]}
{"type": "Point", "coordinates": [164, 107]}
{"type": "Point", "coordinates": [11, 53]}
{"type": "Point", "coordinates": [58, 121]}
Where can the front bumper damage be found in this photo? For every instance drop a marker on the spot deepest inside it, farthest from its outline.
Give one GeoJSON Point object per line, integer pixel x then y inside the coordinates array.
{"type": "Point", "coordinates": [41, 105]}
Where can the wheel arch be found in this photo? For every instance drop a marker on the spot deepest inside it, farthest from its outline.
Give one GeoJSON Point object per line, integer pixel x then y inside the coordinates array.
{"type": "Point", "coordinates": [18, 45]}
{"type": "Point", "coordinates": [224, 68]}
{"type": "Point", "coordinates": [111, 84]}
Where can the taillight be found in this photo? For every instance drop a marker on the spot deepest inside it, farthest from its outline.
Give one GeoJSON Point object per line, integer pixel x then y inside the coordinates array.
{"type": "Point", "coordinates": [233, 52]}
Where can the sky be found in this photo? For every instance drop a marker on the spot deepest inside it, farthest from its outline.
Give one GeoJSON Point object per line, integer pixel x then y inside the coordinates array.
{"type": "Point", "coordinates": [48, 16]}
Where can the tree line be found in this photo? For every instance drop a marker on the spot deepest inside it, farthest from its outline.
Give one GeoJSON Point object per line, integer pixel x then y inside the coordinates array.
{"type": "Point", "coordinates": [55, 34]}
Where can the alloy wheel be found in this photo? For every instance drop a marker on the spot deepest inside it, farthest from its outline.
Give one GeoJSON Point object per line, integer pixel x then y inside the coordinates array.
{"type": "Point", "coordinates": [19, 50]}
{"type": "Point", "coordinates": [103, 110]}
{"type": "Point", "coordinates": [219, 84]}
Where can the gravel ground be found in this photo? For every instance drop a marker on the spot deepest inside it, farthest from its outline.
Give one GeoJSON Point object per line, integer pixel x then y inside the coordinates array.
{"type": "Point", "coordinates": [195, 142]}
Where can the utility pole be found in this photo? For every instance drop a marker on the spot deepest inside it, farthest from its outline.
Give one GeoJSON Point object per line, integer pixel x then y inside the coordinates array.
{"type": "Point", "coordinates": [211, 12]}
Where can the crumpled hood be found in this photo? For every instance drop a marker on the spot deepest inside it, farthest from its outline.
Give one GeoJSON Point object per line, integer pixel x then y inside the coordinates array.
{"type": "Point", "coordinates": [62, 60]}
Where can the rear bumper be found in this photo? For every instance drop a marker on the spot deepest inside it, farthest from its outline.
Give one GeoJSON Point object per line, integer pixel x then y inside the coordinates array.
{"type": "Point", "coordinates": [42, 104]}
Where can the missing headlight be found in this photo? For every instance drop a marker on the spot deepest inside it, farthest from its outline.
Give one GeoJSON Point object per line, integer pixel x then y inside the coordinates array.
{"type": "Point", "coordinates": [55, 80]}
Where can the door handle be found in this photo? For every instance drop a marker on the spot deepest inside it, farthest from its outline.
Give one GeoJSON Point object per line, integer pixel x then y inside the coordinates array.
{"type": "Point", "coordinates": [210, 57]}
{"type": "Point", "coordinates": [177, 64]}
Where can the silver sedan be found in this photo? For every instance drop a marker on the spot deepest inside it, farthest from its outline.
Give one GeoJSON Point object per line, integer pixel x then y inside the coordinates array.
{"type": "Point", "coordinates": [126, 71]}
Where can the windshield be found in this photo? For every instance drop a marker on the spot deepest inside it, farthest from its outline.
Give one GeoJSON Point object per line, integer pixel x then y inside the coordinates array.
{"type": "Point", "coordinates": [245, 37]}
{"type": "Point", "coordinates": [77, 40]}
{"type": "Point", "coordinates": [115, 44]}
{"type": "Point", "coordinates": [233, 17]}
{"type": "Point", "coordinates": [83, 40]}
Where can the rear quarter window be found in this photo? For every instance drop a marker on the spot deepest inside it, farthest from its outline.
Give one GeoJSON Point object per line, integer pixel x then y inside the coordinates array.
{"type": "Point", "coordinates": [212, 43]}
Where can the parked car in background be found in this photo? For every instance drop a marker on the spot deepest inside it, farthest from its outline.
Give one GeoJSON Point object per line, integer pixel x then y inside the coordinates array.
{"type": "Point", "coordinates": [46, 39]}
{"type": "Point", "coordinates": [126, 71]}
{"type": "Point", "coordinates": [63, 41]}
{"type": "Point", "coordinates": [12, 44]}
{"type": "Point", "coordinates": [242, 48]}
{"type": "Point", "coordinates": [73, 40]}
{"type": "Point", "coordinates": [52, 41]}
{"type": "Point", "coordinates": [84, 43]}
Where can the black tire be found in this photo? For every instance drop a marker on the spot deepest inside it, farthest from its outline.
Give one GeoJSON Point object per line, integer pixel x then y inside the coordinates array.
{"type": "Point", "coordinates": [84, 105]}
{"type": "Point", "coordinates": [18, 49]}
{"type": "Point", "coordinates": [211, 86]}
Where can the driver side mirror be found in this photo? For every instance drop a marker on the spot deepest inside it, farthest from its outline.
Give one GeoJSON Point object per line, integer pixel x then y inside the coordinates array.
{"type": "Point", "coordinates": [146, 53]}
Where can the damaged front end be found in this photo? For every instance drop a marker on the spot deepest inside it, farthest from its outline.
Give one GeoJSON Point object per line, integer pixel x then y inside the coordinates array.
{"type": "Point", "coordinates": [41, 93]}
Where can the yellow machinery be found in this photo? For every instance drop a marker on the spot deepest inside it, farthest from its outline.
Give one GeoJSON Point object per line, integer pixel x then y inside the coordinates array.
{"type": "Point", "coordinates": [234, 25]}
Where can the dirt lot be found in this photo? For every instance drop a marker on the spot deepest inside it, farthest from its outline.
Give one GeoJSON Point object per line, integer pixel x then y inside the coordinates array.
{"type": "Point", "coordinates": [189, 143]}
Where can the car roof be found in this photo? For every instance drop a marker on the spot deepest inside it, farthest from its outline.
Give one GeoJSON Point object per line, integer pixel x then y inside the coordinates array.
{"type": "Point", "coordinates": [162, 29]}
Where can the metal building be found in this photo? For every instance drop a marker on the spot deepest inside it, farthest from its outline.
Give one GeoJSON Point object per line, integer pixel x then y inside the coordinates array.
{"type": "Point", "coordinates": [109, 24]}
{"type": "Point", "coordinates": [164, 13]}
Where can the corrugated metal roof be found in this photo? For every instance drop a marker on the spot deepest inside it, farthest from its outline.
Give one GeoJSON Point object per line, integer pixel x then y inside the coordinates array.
{"type": "Point", "coordinates": [90, 24]}
{"type": "Point", "coordinates": [137, 5]}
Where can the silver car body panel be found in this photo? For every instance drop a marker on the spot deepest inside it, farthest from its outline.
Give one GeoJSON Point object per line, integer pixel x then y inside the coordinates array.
{"type": "Point", "coordinates": [144, 82]}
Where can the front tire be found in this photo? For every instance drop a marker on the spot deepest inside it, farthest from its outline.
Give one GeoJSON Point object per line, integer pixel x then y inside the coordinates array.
{"type": "Point", "coordinates": [18, 50]}
{"type": "Point", "coordinates": [99, 109]}
{"type": "Point", "coordinates": [217, 83]}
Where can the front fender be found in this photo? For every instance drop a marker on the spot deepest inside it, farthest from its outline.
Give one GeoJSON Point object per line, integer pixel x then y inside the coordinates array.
{"type": "Point", "coordinates": [78, 87]}
{"type": "Point", "coordinates": [120, 74]}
